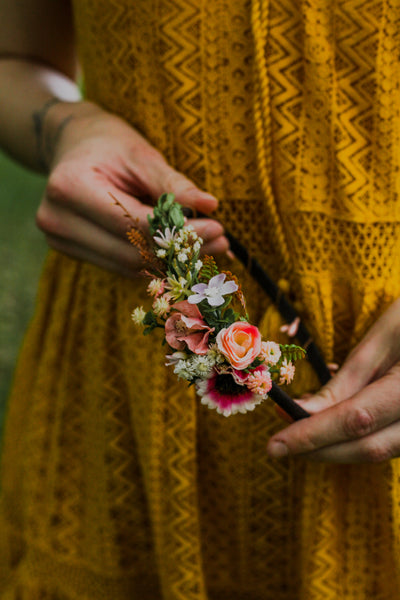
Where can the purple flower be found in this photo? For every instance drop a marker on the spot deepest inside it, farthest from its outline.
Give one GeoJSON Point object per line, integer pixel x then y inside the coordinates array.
{"type": "Point", "coordinates": [213, 291]}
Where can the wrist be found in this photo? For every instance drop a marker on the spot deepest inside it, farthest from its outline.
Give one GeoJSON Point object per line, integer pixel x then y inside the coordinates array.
{"type": "Point", "coordinates": [51, 122]}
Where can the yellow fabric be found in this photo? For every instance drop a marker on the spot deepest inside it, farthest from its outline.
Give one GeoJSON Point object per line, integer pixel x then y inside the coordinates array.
{"type": "Point", "coordinates": [117, 484]}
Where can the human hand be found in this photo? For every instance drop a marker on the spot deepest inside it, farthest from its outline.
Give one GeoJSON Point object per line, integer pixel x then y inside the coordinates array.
{"type": "Point", "coordinates": [356, 416]}
{"type": "Point", "coordinates": [97, 154]}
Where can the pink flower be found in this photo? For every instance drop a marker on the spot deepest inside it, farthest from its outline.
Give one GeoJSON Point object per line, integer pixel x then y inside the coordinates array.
{"type": "Point", "coordinates": [259, 381]}
{"type": "Point", "coordinates": [240, 343]}
{"type": "Point", "coordinates": [222, 392]}
{"type": "Point", "coordinates": [187, 328]}
{"type": "Point", "coordinates": [291, 328]}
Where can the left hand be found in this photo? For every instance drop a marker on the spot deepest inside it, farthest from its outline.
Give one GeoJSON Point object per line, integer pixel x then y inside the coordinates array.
{"type": "Point", "coordinates": [356, 416]}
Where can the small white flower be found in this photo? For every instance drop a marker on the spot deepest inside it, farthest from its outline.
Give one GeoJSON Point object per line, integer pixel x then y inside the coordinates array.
{"type": "Point", "coordinates": [182, 257]}
{"type": "Point", "coordinates": [161, 253]}
{"type": "Point", "coordinates": [286, 372]}
{"type": "Point", "coordinates": [215, 355]}
{"type": "Point", "coordinates": [196, 246]}
{"type": "Point", "coordinates": [183, 369]}
{"type": "Point", "coordinates": [166, 239]}
{"type": "Point", "coordinates": [271, 352]}
{"type": "Point", "coordinates": [155, 287]}
{"type": "Point", "coordinates": [198, 265]}
{"type": "Point", "coordinates": [214, 291]}
{"type": "Point", "coordinates": [138, 315]}
{"type": "Point", "coordinates": [202, 365]}
{"type": "Point", "coordinates": [161, 306]}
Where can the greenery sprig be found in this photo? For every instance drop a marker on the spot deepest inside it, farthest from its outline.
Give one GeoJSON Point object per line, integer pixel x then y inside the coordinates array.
{"type": "Point", "coordinates": [166, 214]}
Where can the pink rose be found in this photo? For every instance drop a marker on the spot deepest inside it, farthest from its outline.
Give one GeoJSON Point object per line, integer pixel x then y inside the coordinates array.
{"type": "Point", "coordinates": [240, 343]}
{"type": "Point", "coordinates": [187, 328]}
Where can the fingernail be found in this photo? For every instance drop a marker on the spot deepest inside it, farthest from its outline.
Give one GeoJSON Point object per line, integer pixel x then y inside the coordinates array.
{"type": "Point", "coordinates": [209, 196]}
{"type": "Point", "coordinates": [277, 449]}
{"type": "Point", "coordinates": [214, 229]}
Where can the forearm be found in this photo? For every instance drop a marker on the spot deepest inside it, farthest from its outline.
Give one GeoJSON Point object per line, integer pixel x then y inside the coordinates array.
{"type": "Point", "coordinates": [34, 107]}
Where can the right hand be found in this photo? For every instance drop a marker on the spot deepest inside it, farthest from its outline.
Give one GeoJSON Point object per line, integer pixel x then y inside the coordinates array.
{"type": "Point", "coordinates": [98, 154]}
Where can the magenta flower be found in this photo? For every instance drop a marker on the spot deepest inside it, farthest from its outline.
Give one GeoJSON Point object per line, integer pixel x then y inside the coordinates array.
{"type": "Point", "coordinates": [222, 392]}
{"type": "Point", "coordinates": [186, 328]}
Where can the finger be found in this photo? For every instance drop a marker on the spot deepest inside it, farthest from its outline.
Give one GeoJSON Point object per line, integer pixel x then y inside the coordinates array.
{"type": "Point", "coordinates": [375, 448]}
{"type": "Point", "coordinates": [95, 202]}
{"type": "Point", "coordinates": [207, 229]}
{"type": "Point", "coordinates": [87, 255]}
{"type": "Point", "coordinates": [219, 245]}
{"type": "Point", "coordinates": [167, 179]}
{"type": "Point", "coordinates": [373, 408]}
{"type": "Point", "coordinates": [211, 232]}
{"type": "Point", "coordinates": [368, 361]}
{"type": "Point", "coordinates": [374, 356]}
{"type": "Point", "coordinates": [80, 238]}
{"type": "Point", "coordinates": [85, 197]}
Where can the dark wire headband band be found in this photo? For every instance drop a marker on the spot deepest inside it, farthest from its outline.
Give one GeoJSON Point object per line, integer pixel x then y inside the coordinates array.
{"type": "Point", "coordinates": [289, 314]}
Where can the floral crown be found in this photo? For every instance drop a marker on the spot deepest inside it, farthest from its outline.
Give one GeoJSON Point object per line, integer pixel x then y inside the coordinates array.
{"type": "Point", "coordinates": [202, 312]}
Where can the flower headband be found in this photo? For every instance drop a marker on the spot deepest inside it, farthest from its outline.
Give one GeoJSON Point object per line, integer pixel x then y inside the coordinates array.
{"type": "Point", "coordinates": [202, 312]}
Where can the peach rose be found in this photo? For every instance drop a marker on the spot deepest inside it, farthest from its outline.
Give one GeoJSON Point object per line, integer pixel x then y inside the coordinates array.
{"type": "Point", "coordinates": [240, 343]}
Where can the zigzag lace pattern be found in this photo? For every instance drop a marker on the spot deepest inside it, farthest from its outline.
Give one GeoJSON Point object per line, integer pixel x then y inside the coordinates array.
{"type": "Point", "coordinates": [116, 483]}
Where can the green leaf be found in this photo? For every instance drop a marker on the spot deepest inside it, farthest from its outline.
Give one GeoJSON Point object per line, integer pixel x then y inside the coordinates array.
{"type": "Point", "coordinates": [167, 201]}
{"type": "Point", "coordinates": [176, 216]}
{"type": "Point", "coordinates": [150, 319]}
{"type": "Point", "coordinates": [230, 316]}
{"type": "Point", "coordinates": [257, 362]}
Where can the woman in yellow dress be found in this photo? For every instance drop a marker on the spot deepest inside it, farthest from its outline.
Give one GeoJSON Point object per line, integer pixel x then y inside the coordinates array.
{"type": "Point", "coordinates": [116, 482]}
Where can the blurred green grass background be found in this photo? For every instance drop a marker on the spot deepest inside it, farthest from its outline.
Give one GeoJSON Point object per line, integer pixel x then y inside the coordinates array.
{"type": "Point", "coordinates": [22, 250]}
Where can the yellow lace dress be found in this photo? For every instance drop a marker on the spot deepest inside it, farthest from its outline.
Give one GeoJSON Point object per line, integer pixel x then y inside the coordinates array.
{"type": "Point", "coordinates": [116, 483]}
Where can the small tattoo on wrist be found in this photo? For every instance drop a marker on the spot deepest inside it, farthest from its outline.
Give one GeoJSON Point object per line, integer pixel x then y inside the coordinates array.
{"type": "Point", "coordinates": [46, 142]}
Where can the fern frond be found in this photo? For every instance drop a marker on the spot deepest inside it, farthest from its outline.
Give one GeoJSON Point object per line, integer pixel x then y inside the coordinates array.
{"type": "Point", "coordinates": [208, 270]}
{"type": "Point", "coordinates": [292, 352]}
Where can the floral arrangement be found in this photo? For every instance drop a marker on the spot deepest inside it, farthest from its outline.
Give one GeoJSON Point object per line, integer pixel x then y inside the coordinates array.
{"type": "Point", "coordinates": [202, 313]}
